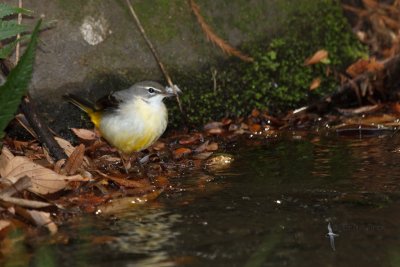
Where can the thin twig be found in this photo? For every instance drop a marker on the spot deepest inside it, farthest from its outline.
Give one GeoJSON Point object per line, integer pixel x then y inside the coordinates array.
{"type": "Point", "coordinates": [214, 38]}
{"type": "Point", "coordinates": [17, 49]}
{"type": "Point", "coordinates": [45, 137]}
{"type": "Point", "coordinates": [154, 52]}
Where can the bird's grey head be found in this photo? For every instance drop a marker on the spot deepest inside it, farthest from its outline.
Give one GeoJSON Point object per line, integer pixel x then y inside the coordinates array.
{"type": "Point", "coordinates": [149, 90]}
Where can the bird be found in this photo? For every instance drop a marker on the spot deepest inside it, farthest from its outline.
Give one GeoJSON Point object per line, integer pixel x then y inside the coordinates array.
{"type": "Point", "coordinates": [331, 236]}
{"type": "Point", "coordinates": [131, 120]}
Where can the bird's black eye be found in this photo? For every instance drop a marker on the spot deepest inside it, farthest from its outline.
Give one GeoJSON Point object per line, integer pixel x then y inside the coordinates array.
{"type": "Point", "coordinates": [151, 90]}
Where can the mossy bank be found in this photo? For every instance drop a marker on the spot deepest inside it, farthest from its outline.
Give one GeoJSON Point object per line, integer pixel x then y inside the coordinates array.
{"type": "Point", "coordinates": [277, 80]}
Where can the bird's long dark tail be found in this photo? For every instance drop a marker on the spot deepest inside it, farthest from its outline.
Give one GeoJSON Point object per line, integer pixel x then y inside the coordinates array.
{"type": "Point", "coordinates": [86, 106]}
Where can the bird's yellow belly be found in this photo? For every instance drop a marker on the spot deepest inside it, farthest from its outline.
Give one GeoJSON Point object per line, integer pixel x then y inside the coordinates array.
{"type": "Point", "coordinates": [129, 142]}
{"type": "Point", "coordinates": [134, 131]}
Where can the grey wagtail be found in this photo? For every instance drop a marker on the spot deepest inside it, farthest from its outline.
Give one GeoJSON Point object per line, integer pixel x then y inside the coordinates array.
{"type": "Point", "coordinates": [132, 119]}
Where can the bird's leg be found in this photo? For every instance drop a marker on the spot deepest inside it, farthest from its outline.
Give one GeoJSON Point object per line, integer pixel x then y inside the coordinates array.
{"type": "Point", "coordinates": [126, 161]}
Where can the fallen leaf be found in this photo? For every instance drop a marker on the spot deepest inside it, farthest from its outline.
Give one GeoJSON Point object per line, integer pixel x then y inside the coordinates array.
{"type": "Point", "coordinates": [44, 180]}
{"type": "Point", "coordinates": [315, 83]}
{"type": "Point", "coordinates": [180, 152]}
{"type": "Point", "coordinates": [363, 65]}
{"type": "Point", "coordinates": [126, 203]}
{"type": "Point", "coordinates": [319, 56]}
{"type": "Point", "coordinates": [161, 181]}
{"type": "Point", "coordinates": [64, 144]}
{"type": "Point", "coordinates": [202, 147]}
{"type": "Point", "coordinates": [219, 162]}
{"type": "Point", "coordinates": [75, 160]}
{"type": "Point", "coordinates": [41, 218]}
{"type": "Point", "coordinates": [84, 134]}
{"type": "Point", "coordinates": [360, 110]}
{"type": "Point", "coordinates": [374, 66]}
{"type": "Point", "coordinates": [226, 121]}
{"type": "Point", "coordinates": [126, 182]}
{"type": "Point", "coordinates": [212, 147]}
{"type": "Point", "coordinates": [4, 224]}
{"type": "Point", "coordinates": [203, 155]}
{"type": "Point", "coordinates": [215, 131]}
{"type": "Point", "coordinates": [191, 140]}
{"type": "Point", "coordinates": [98, 240]}
{"type": "Point", "coordinates": [25, 202]}
{"type": "Point", "coordinates": [69, 149]}
{"type": "Point", "coordinates": [213, 125]}
{"type": "Point", "coordinates": [255, 113]}
{"type": "Point", "coordinates": [396, 107]}
{"type": "Point", "coordinates": [158, 146]}
{"type": "Point", "coordinates": [22, 184]}
{"type": "Point", "coordinates": [373, 4]}
{"type": "Point", "coordinates": [255, 128]}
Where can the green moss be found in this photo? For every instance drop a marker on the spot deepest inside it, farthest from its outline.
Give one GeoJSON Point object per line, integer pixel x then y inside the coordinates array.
{"type": "Point", "coordinates": [278, 79]}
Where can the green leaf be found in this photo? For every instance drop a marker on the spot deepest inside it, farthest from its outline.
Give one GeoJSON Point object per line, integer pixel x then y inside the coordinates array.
{"type": "Point", "coordinates": [17, 82]}
{"type": "Point", "coordinates": [10, 28]}
{"type": "Point", "coordinates": [6, 10]}
{"type": "Point", "coordinates": [7, 49]}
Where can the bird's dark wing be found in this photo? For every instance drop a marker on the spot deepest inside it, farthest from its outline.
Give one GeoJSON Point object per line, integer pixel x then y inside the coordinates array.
{"type": "Point", "coordinates": [108, 103]}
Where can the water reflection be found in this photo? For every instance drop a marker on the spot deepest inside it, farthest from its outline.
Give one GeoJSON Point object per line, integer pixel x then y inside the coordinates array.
{"type": "Point", "coordinates": [271, 208]}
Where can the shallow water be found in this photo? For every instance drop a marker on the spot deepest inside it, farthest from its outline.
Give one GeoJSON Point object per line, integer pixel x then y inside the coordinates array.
{"type": "Point", "coordinates": [271, 208]}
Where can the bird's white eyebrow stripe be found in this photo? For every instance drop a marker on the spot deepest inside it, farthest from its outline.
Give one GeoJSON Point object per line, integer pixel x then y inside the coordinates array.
{"type": "Point", "coordinates": [155, 89]}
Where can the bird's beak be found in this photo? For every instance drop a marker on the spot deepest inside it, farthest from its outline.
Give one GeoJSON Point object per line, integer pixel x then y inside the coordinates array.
{"type": "Point", "coordinates": [168, 94]}
{"type": "Point", "coordinates": [172, 91]}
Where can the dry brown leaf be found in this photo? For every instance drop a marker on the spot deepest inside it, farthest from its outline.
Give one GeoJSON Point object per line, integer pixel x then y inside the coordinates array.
{"type": "Point", "coordinates": [75, 160]}
{"type": "Point", "coordinates": [396, 108]}
{"type": "Point", "coordinates": [317, 57]}
{"type": "Point", "coordinates": [69, 149]}
{"type": "Point", "coordinates": [202, 147]}
{"type": "Point", "coordinates": [374, 66]}
{"type": "Point", "coordinates": [158, 146]}
{"type": "Point", "coordinates": [41, 218]}
{"type": "Point", "coordinates": [255, 113]}
{"type": "Point", "coordinates": [360, 110]}
{"type": "Point", "coordinates": [180, 152]}
{"type": "Point", "coordinates": [203, 155]}
{"type": "Point", "coordinates": [372, 4]}
{"type": "Point", "coordinates": [25, 202]}
{"type": "Point", "coordinates": [213, 125]}
{"type": "Point", "coordinates": [44, 180]}
{"type": "Point", "coordinates": [212, 147]}
{"type": "Point", "coordinates": [129, 182]}
{"type": "Point", "coordinates": [191, 139]}
{"type": "Point", "coordinates": [315, 83]}
{"type": "Point", "coordinates": [216, 131]}
{"type": "Point", "coordinates": [4, 224]}
{"type": "Point", "coordinates": [362, 65]}
{"type": "Point", "coordinates": [84, 134]}
{"type": "Point", "coordinates": [255, 128]}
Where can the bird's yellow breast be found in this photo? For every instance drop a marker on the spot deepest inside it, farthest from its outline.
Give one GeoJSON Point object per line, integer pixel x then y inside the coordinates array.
{"type": "Point", "coordinates": [134, 126]}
